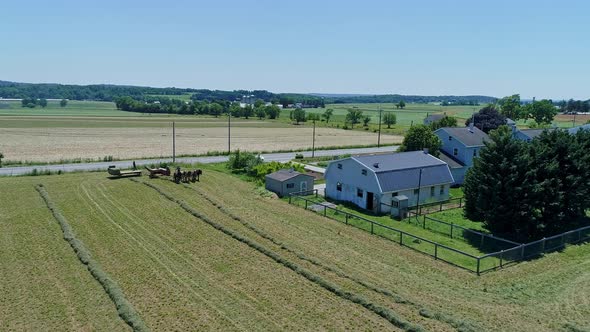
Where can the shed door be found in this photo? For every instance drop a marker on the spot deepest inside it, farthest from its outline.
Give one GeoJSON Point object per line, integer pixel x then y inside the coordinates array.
{"type": "Point", "coordinates": [303, 186]}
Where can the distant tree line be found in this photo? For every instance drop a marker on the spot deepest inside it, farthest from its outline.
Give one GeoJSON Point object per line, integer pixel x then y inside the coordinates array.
{"type": "Point", "coordinates": [106, 92]}
{"type": "Point", "coordinates": [396, 98]}
{"type": "Point", "coordinates": [214, 108]}
{"type": "Point", "coordinates": [530, 190]}
{"type": "Point", "coordinates": [574, 106]}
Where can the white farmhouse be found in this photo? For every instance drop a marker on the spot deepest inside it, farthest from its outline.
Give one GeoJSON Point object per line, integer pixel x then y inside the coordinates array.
{"type": "Point", "coordinates": [372, 181]}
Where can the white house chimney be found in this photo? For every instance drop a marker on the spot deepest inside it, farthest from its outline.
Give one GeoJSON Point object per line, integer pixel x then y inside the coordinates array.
{"type": "Point", "coordinates": [471, 126]}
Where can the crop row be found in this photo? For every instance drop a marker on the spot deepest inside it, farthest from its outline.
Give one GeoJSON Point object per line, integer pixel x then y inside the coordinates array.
{"type": "Point", "coordinates": [124, 308]}
{"type": "Point", "coordinates": [379, 310]}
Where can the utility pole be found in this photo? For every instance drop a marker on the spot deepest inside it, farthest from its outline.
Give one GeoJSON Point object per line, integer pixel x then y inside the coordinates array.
{"type": "Point", "coordinates": [313, 141]}
{"type": "Point", "coordinates": [229, 132]}
{"type": "Point", "coordinates": [418, 200]}
{"type": "Point", "coordinates": [173, 142]}
{"type": "Point", "coordinates": [379, 135]}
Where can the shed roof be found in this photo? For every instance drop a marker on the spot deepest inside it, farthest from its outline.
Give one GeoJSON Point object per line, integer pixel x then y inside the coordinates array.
{"type": "Point", "coordinates": [285, 174]}
{"type": "Point", "coordinates": [531, 133]}
{"type": "Point", "coordinates": [401, 171]}
{"type": "Point", "coordinates": [434, 117]}
{"type": "Point", "coordinates": [466, 135]}
{"type": "Point", "coordinates": [576, 129]}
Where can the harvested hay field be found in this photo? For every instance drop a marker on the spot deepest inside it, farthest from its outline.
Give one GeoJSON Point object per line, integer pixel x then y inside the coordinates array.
{"type": "Point", "coordinates": [199, 256]}
{"type": "Point", "coordinates": [148, 139]}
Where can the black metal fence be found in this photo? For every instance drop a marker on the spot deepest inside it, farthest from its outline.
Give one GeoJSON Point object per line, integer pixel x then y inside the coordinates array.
{"type": "Point", "coordinates": [427, 208]}
{"type": "Point", "coordinates": [511, 253]}
{"type": "Point", "coordinates": [484, 242]}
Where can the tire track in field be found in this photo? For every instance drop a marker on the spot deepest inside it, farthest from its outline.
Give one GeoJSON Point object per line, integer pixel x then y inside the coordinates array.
{"type": "Point", "coordinates": [197, 267]}
{"type": "Point", "coordinates": [385, 313]}
{"type": "Point", "coordinates": [453, 322]}
{"type": "Point", "coordinates": [161, 263]}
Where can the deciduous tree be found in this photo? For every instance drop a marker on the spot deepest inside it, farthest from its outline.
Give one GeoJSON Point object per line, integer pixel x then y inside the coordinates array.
{"type": "Point", "coordinates": [421, 137]}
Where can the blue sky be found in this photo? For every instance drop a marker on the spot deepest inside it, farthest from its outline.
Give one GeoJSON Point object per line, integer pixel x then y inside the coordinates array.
{"type": "Point", "coordinates": [535, 48]}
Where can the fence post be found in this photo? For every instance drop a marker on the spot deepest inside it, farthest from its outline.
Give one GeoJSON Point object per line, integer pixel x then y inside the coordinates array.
{"type": "Point", "coordinates": [435, 251]}
{"type": "Point", "coordinates": [316, 193]}
{"type": "Point", "coordinates": [522, 252]}
{"type": "Point", "coordinates": [478, 260]}
{"type": "Point", "coordinates": [543, 245]}
{"type": "Point", "coordinates": [290, 196]}
{"type": "Point", "coordinates": [451, 230]}
{"type": "Point", "coordinates": [501, 257]}
{"type": "Point", "coordinates": [346, 218]}
{"type": "Point", "coordinates": [372, 227]}
{"type": "Point", "coordinates": [401, 238]}
{"type": "Point", "coordinates": [306, 204]}
{"type": "Point", "coordinates": [424, 222]}
{"type": "Point", "coordinates": [461, 202]}
{"type": "Point", "coordinates": [563, 240]}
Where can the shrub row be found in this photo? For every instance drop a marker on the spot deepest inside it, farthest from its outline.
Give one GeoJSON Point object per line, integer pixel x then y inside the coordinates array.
{"type": "Point", "coordinates": [381, 311]}
{"type": "Point", "coordinates": [124, 307]}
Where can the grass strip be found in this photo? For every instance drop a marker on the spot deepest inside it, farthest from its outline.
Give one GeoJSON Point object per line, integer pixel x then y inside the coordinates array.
{"type": "Point", "coordinates": [124, 308]}
{"type": "Point", "coordinates": [389, 315]}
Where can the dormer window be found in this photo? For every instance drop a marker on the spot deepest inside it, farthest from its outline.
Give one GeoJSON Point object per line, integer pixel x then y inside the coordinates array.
{"type": "Point", "coordinates": [450, 138]}
{"type": "Point", "coordinates": [455, 152]}
{"type": "Point", "coordinates": [364, 172]}
{"type": "Point", "coordinates": [339, 166]}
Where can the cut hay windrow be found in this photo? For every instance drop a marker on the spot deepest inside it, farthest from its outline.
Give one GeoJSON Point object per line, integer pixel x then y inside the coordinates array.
{"type": "Point", "coordinates": [460, 325]}
{"type": "Point", "coordinates": [389, 315]}
{"type": "Point", "coordinates": [124, 308]}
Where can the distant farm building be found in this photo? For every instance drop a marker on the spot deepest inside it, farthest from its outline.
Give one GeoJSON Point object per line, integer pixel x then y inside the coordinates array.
{"type": "Point", "coordinates": [371, 182]}
{"type": "Point", "coordinates": [460, 145]}
{"type": "Point", "coordinates": [287, 181]}
{"type": "Point", "coordinates": [433, 118]}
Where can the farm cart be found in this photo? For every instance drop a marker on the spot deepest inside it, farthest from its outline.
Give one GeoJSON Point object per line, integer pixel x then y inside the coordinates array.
{"type": "Point", "coordinates": [154, 172]}
{"type": "Point", "coordinates": [117, 173]}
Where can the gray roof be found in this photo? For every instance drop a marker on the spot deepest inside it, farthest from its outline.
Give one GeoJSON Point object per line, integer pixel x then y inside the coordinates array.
{"type": "Point", "coordinates": [285, 174]}
{"type": "Point", "coordinates": [466, 135]}
{"type": "Point", "coordinates": [576, 129]}
{"type": "Point", "coordinates": [510, 122]}
{"type": "Point", "coordinates": [531, 133]}
{"type": "Point", "coordinates": [401, 171]}
{"type": "Point", "coordinates": [434, 117]}
{"type": "Point", "coordinates": [450, 160]}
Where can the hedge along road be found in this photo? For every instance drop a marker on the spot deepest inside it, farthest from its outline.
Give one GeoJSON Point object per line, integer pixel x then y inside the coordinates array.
{"type": "Point", "coordinates": [281, 157]}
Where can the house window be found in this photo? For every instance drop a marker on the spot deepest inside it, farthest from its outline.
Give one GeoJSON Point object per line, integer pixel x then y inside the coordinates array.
{"type": "Point", "coordinates": [442, 190]}
{"type": "Point", "coordinates": [475, 153]}
{"type": "Point", "coordinates": [339, 186]}
{"type": "Point", "coordinates": [416, 191]}
{"type": "Point", "coordinates": [339, 166]}
{"type": "Point", "coordinates": [290, 185]}
{"type": "Point", "coordinates": [359, 192]}
{"type": "Point", "coordinates": [395, 204]}
{"type": "Point", "coordinates": [364, 172]}
{"type": "Point", "coordinates": [450, 138]}
{"type": "Point", "coordinates": [432, 191]}
{"type": "Point", "coordinates": [455, 152]}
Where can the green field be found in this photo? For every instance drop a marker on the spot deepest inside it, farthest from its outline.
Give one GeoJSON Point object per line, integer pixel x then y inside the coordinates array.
{"type": "Point", "coordinates": [199, 256]}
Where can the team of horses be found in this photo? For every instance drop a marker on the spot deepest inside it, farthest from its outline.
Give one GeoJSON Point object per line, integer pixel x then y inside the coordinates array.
{"type": "Point", "coordinates": [186, 176]}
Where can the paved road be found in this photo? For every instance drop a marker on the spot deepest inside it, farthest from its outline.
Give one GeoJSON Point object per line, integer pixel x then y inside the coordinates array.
{"type": "Point", "coordinates": [282, 157]}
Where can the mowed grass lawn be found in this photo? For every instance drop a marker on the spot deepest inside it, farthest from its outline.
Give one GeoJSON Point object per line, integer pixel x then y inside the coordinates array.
{"type": "Point", "coordinates": [181, 273]}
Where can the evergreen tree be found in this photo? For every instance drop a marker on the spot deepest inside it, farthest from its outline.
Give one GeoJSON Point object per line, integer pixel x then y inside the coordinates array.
{"type": "Point", "coordinates": [497, 188]}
